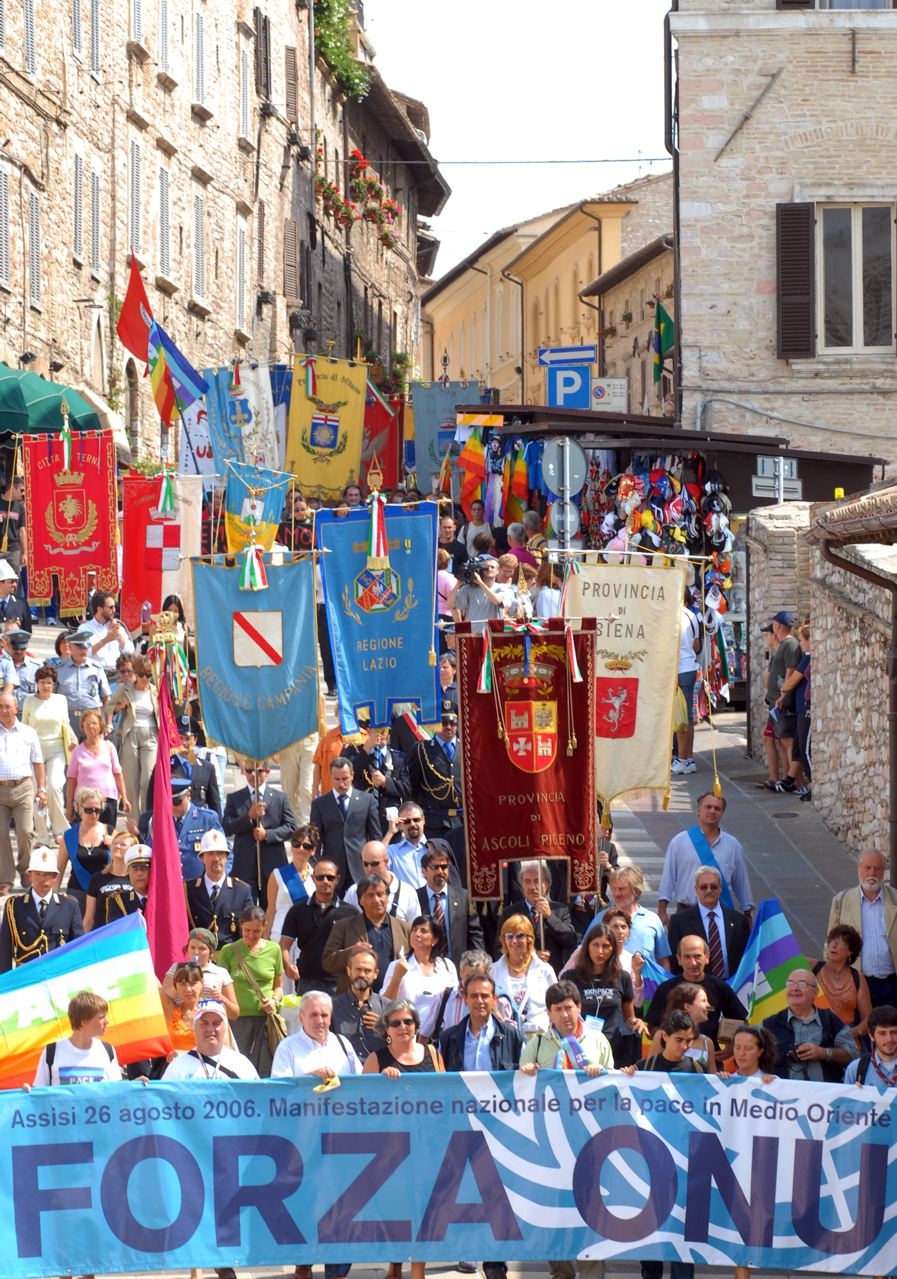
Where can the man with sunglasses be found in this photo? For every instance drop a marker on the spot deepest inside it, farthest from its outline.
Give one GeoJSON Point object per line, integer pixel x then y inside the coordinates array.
{"type": "Point", "coordinates": [435, 771]}
{"type": "Point", "coordinates": [449, 904]}
{"type": "Point", "coordinates": [259, 820]}
{"type": "Point", "coordinates": [308, 924]}
{"type": "Point", "coordinates": [215, 899]}
{"type": "Point", "coordinates": [401, 899]}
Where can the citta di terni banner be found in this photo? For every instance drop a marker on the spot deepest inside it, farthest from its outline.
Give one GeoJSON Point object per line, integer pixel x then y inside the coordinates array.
{"type": "Point", "coordinates": [674, 1167]}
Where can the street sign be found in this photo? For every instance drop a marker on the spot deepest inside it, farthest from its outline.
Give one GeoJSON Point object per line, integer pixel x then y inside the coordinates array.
{"type": "Point", "coordinates": [557, 355]}
{"type": "Point", "coordinates": [564, 519]}
{"type": "Point", "coordinates": [609, 394]}
{"type": "Point", "coordinates": [553, 462]}
{"type": "Point", "coordinates": [568, 388]}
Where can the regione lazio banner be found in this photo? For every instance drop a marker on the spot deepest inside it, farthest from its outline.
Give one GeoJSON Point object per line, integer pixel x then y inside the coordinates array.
{"type": "Point", "coordinates": [72, 517]}
{"type": "Point", "coordinates": [253, 504]}
{"type": "Point", "coordinates": [434, 424]}
{"type": "Point", "coordinates": [256, 656]}
{"type": "Point", "coordinates": [210, 1173]}
{"type": "Point", "coordinates": [381, 619]}
{"type": "Point", "coordinates": [113, 961]}
{"type": "Point", "coordinates": [157, 548]}
{"type": "Point", "coordinates": [528, 752]}
{"type": "Point", "coordinates": [636, 660]}
{"type": "Point", "coordinates": [326, 424]}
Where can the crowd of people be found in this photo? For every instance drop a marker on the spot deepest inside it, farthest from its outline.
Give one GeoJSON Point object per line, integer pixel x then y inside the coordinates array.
{"type": "Point", "coordinates": [345, 885]}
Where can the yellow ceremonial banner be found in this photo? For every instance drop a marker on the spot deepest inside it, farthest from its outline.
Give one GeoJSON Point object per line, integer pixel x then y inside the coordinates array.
{"type": "Point", "coordinates": [326, 425]}
{"type": "Point", "coordinates": [638, 613]}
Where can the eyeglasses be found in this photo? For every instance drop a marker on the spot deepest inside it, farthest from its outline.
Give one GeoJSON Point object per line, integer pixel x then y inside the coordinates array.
{"type": "Point", "coordinates": [410, 821]}
{"type": "Point", "coordinates": [256, 772]}
{"type": "Point", "coordinates": [307, 846]}
{"type": "Point", "coordinates": [517, 936]}
{"type": "Point", "coordinates": [799, 985]}
{"type": "Point", "coordinates": [435, 866]}
{"type": "Point", "coordinates": [402, 1021]}
{"type": "Point", "coordinates": [93, 811]}
{"type": "Point", "coordinates": [329, 878]}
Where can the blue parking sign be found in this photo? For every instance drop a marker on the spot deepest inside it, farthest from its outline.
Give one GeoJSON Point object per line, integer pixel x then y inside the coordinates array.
{"type": "Point", "coordinates": [569, 388]}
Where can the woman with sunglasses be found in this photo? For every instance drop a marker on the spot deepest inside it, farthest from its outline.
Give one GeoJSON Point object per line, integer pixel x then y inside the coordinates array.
{"type": "Point", "coordinates": [293, 882]}
{"type": "Point", "coordinates": [112, 879]}
{"type": "Point", "coordinates": [521, 975]}
{"type": "Point", "coordinates": [422, 976]}
{"type": "Point", "coordinates": [84, 846]}
{"type": "Point", "coordinates": [95, 763]}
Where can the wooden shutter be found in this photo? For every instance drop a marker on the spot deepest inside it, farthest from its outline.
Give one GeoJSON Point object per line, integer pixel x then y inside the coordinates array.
{"type": "Point", "coordinates": [95, 36]}
{"type": "Point", "coordinates": [199, 62]}
{"type": "Point", "coordinates": [30, 55]}
{"type": "Point", "coordinates": [77, 34]}
{"type": "Point", "coordinates": [290, 77]}
{"type": "Point", "coordinates": [244, 93]}
{"type": "Point", "coordinates": [34, 281]}
{"type": "Point", "coordinates": [135, 193]}
{"type": "Point", "coordinates": [137, 21]}
{"type": "Point", "coordinates": [78, 208]}
{"type": "Point", "coordinates": [199, 245]}
{"type": "Point", "coordinates": [796, 285]}
{"type": "Point", "coordinates": [164, 222]}
{"type": "Point", "coordinates": [4, 225]}
{"type": "Point", "coordinates": [241, 275]}
{"type": "Point", "coordinates": [260, 240]}
{"type": "Point", "coordinates": [291, 261]}
{"type": "Point", "coordinates": [795, 4]}
{"type": "Point", "coordinates": [94, 221]}
{"type": "Point", "coordinates": [163, 35]}
{"type": "Point", "coordinates": [262, 54]}
{"type": "Point", "coordinates": [2, 23]}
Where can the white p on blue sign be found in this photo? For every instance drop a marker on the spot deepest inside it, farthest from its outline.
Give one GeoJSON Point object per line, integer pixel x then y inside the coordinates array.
{"type": "Point", "coordinates": [569, 388]}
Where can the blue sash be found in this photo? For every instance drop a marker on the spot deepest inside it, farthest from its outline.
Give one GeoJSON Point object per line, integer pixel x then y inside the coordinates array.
{"type": "Point", "coordinates": [706, 857]}
{"type": "Point", "coordinates": [572, 1049]}
{"type": "Point", "coordinates": [293, 883]}
{"type": "Point", "coordinates": [70, 839]}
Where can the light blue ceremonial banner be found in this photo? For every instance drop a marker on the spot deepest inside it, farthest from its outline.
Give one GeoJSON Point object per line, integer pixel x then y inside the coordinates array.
{"type": "Point", "coordinates": [253, 504]}
{"type": "Point", "coordinates": [434, 424]}
{"type": "Point", "coordinates": [381, 621]}
{"type": "Point", "coordinates": [225, 430]}
{"type": "Point", "coordinates": [675, 1167]}
{"type": "Point", "coordinates": [256, 656]}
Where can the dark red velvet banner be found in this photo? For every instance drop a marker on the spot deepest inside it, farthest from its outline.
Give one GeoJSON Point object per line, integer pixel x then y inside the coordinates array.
{"type": "Point", "coordinates": [528, 748]}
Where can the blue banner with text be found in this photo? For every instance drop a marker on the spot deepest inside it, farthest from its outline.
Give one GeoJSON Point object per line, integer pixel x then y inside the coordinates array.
{"type": "Point", "coordinates": [675, 1167]}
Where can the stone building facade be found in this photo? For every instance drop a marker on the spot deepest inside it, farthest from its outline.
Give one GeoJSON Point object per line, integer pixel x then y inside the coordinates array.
{"type": "Point", "coordinates": [187, 131]}
{"type": "Point", "coordinates": [788, 191]}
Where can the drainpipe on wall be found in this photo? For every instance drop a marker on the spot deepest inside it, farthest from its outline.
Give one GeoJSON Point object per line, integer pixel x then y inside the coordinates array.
{"type": "Point", "coordinates": [671, 123]}
{"type": "Point", "coordinates": [602, 353]}
{"type": "Point", "coordinates": [514, 280]}
{"type": "Point", "coordinates": [868, 575]}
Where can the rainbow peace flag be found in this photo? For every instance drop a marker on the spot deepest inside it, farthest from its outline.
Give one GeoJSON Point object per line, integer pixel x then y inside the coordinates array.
{"type": "Point", "coordinates": [113, 961]}
{"type": "Point", "coordinates": [175, 382]}
{"type": "Point", "coordinates": [770, 955]}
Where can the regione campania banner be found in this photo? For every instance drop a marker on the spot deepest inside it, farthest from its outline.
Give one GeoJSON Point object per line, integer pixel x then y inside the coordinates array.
{"type": "Point", "coordinates": [528, 753]}
{"type": "Point", "coordinates": [690, 1168]}
{"type": "Point", "coordinates": [256, 656]}
{"type": "Point", "coordinates": [72, 514]}
{"type": "Point", "coordinates": [637, 612]}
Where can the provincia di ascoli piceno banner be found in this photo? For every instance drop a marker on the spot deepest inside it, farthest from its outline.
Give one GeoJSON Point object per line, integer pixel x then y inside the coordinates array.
{"type": "Point", "coordinates": [674, 1167]}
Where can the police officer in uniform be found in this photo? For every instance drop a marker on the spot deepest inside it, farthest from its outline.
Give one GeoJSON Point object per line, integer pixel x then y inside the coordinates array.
{"type": "Point", "coordinates": [25, 666]}
{"type": "Point", "coordinates": [435, 770]}
{"type": "Point", "coordinates": [204, 789]}
{"type": "Point", "coordinates": [138, 859]}
{"type": "Point", "coordinates": [215, 899]}
{"type": "Point", "coordinates": [190, 824]}
{"type": "Point", "coordinates": [81, 680]}
{"type": "Point", "coordinates": [41, 920]}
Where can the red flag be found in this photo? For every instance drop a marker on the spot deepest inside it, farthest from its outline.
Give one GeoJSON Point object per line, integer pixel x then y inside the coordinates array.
{"type": "Point", "coordinates": [166, 908]}
{"type": "Point", "coordinates": [135, 316]}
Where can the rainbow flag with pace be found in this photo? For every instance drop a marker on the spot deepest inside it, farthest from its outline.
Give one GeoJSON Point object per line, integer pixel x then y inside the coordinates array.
{"type": "Point", "coordinates": [175, 382]}
{"type": "Point", "coordinates": [770, 955]}
{"type": "Point", "coordinates": [113, 961]}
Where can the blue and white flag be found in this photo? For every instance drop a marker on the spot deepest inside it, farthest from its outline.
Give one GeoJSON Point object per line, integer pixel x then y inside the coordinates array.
{"type": "Point", "coordinates": [434, 424]}
{"type": "Point", "coordinates": [225, 431]}
{"type": "Point", "coordinates": [253, 505]}
{"type": "Point", "coordinates": [381, 619]}
{"type": "Point", "coordinates": [256, 657]}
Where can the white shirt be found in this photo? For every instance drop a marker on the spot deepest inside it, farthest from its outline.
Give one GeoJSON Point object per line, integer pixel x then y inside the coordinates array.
{"type": "Point", "coordinates": [19, 750]}
{"type": "Point", "coordinates": [299, 1054]}
{"type": "Point", "coordinates": [689, 631]}
{"type": "Point", "coordinates": [214, 883]}
{"type": "Point", "coordinates": [401, 895]}
{"type": "Point", "coordinates": [425, 992]}
{"type": "Point", "coordinates": [109, 654]}
{"type": "Point", "coordinates": [187, 1066]}
{"type": "Point", "coordinates": [73, 1065]}
{"type": "Point", "coordinates": [677, 883]}
{"type": "Point", "coordinates": [337, 796]}
{"type": "Point", "coordinates": [37, 900]}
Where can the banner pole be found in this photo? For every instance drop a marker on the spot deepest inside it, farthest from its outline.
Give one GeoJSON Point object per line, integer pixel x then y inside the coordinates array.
{"type": "Point", "coordinates": [541, 916]}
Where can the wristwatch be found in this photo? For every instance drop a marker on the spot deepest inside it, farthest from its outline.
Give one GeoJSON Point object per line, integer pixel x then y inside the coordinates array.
{"type": "Point", "coordinates": [828, 1054]}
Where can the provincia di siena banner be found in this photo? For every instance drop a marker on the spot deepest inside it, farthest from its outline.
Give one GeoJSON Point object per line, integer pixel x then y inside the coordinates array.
{"type": "Point", "coordinates": [120, 1177]}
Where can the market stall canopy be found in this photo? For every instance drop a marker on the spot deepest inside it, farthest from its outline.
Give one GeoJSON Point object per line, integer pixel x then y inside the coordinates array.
{"type": "Point", "coordinates": [109, 420]}
{"type": "Point", "coordinates": [13, 409]}
{"type": "Point", "coordinates": [43, 404]}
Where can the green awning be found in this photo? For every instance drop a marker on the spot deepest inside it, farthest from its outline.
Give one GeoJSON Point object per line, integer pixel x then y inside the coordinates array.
{"type": "Point", "coordinates": [13, 409]}
{"type": "Point", "coordinates": [42, 402]}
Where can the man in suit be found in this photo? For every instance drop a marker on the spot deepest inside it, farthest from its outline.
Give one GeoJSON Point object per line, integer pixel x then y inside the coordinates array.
{"type": "Point", "coordinates": [259, 820]}
{"type": "Point", "coordinates": [380, 771]}
{"type": "Point", "coordinates": [40, 920]}
{"type": "Point", "coordinates": [347, 818]}
{"type": "Point", "coordinates": [373, 930]}
{"type": "Point", "coordinates": [550, 919]}
{"type": "Point", "coordinates": [871, 908]}
{"type": "Point", "coordinates": [215, 899]}
{"type": "Point", "coordinates": [449, 905]}
{"type": "Point", "coordinates": [725, 931]}
{"type": "Point", "coordinates": [435, 771]}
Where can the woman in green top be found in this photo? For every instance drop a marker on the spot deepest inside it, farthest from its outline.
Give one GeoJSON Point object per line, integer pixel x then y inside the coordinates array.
{"type": "Point", "coordinates": [256, 967]}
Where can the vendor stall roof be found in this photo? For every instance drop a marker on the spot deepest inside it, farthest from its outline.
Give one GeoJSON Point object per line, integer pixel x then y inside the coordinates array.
{"type": "Point", "coordinates": [641, 431]}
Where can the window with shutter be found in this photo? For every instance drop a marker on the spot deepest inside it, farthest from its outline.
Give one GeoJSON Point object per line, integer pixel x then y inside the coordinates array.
{"type": "Point", "coordinates": [136, 188]}
{"type": "Point", "coordinates": [290, 79]}
{"type": "Point", "coordinates": [4, 225]}
{"type": "Point", "coordinates": [95, 36]}
{"type": "Point", "coordinates": [137, 21]}
{"type": "Point", "coordinates": [855, 253]}
{"type": "Point", "coordinates": [95, 221]}
{"type": "Point", "coordinates": [30, 54]}
{"type": "Point", "coordinates": [260, 240]}
{"type": "Point", "coordinates": [796, 284]}
{"type": "Point", "coordinates": [241, 276]}
{"type": "Point", "coordinates": [199, 245]}
{"type": "Point", "coordinates": [291, 261]}
{"type": "Point", "coordinates": [262, 54]}
{"type": "Point", "coordinates": [199, 61]}
{"type": "Point", "coordinates": [244, 93]}
{"type": "Point", "coordinates": [78, 208]}
{"type": "Point", "coordinates": [2, 23]}
{"type": "Point", "coordinates": [164, 223]}
{"type": "Point", "coordinates": [164, 56]}
{"type": "Point", "coordinates": [34, 281]}
{"type": "Point", "coordinates": [77, 32]}
{"type": "Point", "coordinates": [795, 4]}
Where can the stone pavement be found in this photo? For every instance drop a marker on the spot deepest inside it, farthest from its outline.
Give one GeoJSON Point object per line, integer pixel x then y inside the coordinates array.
{"type": "Point", "coordinates": [791, 854]}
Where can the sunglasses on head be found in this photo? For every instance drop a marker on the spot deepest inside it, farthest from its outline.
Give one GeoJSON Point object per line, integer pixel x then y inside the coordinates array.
{"type": "Point", "coordinates": [327, 877]}
{"type": "Point", "coordinates": [402, 1021]}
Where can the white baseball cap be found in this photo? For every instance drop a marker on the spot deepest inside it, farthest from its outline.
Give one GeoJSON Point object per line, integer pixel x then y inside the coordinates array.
{"type": "Point", "coordinates": [213, 1006]}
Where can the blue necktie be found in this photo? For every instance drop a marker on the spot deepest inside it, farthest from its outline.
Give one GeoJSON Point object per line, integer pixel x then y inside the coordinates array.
{"type": "Point", "coordinates": [343, 801]}
{"type": "Point", "coordinates": [449, 748]}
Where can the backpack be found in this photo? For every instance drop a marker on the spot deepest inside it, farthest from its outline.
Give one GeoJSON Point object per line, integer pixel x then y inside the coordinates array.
{"type": "Point", "coordinates": [50, 1053]}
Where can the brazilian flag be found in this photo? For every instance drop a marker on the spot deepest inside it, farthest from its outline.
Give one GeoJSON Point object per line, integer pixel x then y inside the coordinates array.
{"type": "Point", "coordinates": [664, 338]}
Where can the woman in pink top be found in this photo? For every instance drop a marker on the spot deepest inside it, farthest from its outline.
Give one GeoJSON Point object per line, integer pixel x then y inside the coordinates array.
{"type": "Point", "coordinates": [95, 763]}
{"type": "Point", "coordinates": [445, 584]}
